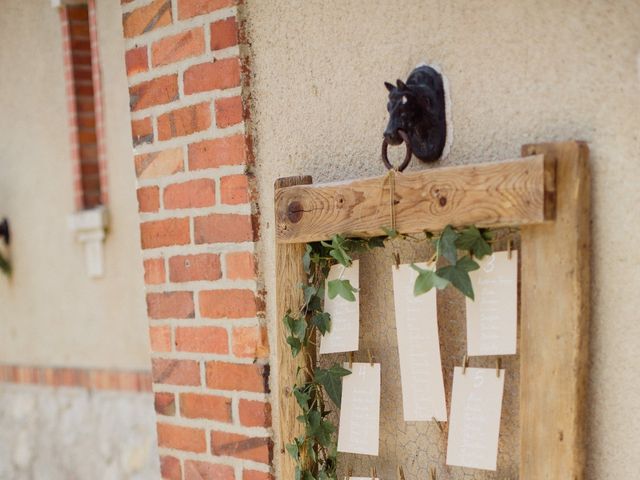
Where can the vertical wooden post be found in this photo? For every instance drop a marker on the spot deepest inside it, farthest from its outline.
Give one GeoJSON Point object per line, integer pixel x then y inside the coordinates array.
{"type": "Point", "coordinates": [289, 275]}
{"type": "Point", "coordinates": [555, 322]}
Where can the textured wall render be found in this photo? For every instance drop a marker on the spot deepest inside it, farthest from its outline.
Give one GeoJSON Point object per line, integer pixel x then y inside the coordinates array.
{"type": "Point", "coordinates": [519, 72]}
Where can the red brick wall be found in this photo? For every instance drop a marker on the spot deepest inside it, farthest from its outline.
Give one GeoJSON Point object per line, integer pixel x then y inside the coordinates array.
{"type": "Point", "coordinates": [198, 233]}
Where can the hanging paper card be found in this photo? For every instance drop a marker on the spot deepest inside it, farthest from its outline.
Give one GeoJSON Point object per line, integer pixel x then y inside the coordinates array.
{"type": "Point", "coordinates": [345, 315]}
{"type": "Point", "coordinates": [474, 426]}
{"type": "Point", "coordinates": [492, 319]}
{"type": "Point", "coordinates": [423, 397]}
{"type": "Point", "coordinates": [359, 429]}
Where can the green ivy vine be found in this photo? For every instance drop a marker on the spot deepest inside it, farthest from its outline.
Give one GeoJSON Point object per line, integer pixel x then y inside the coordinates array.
{"type": "Point", "coordinates": [5, 266]}
{"type": "Point", "coordinates": [315, 451]}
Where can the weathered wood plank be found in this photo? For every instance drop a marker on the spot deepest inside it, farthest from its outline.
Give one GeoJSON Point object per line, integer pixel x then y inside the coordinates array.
{"type": "Point", "coordinates": [554, 325]}
{"type": "Point", "coordinates": [517, 192]}
{"type": "Point", "coordinates": [289, 275]}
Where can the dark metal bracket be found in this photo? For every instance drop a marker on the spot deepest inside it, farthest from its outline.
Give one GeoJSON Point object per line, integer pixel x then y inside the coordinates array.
{"type": "Point", "coordinates": [417, 108]}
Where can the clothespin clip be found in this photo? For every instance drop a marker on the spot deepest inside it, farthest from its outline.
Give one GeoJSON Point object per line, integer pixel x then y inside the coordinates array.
{"type": "Point", "coordinates": [400, 473]}
{"type": "Point", "coordinates": [370, 357]}
{"type": "Point", "coordinates": [509, 247]}
{"type": "Point", "coordinates": [350, 358]}
{"type": "Point", "coordinates": [374, 474]}
{"type": "Point", "coordinates": [498, 363]}
{"type": "Point", "coordinates": [396, 259]}
{"type": "Point", "coordinates": [465, 364]}
{"type": "Point", "coordinates": [432, 473]}
{"type": "Point", "coordinates": [437, 424]}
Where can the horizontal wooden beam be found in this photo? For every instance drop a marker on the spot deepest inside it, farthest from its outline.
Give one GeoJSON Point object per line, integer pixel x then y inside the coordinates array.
{"type": "Point", "coordinates": [518, 192]}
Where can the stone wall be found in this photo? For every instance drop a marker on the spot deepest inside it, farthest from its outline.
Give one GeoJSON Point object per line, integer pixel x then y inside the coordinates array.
{"type": "Point", "coordinates": [75, 433]}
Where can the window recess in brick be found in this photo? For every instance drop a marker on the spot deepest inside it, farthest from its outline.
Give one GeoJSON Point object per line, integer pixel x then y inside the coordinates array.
{"type": "Point", "coordinates": [83, 103]}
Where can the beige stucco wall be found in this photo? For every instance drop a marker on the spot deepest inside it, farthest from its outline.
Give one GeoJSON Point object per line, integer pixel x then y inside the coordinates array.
{"type": "Point", "coordinates": [51, 313]}
{"type": "Point", "coordinates": [519, 72]}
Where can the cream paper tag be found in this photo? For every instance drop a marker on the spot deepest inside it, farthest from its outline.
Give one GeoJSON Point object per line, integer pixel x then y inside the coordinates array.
{"type": "Point", "coordinates": [359, 429]}
{"type": "Point", "coordinates": [423, 396]}
{"type": "Point", "coordinates": [345, 315]}
{"type": "Point", "coordinates": [474, 426]}
{"type": "Point", "coordinates": [492, 319]}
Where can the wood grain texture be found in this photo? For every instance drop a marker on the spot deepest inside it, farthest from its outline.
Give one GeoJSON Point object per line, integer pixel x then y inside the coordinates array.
{"type": "Point", "coordinates": [289, 275]}
{"type": "Point", "coordinates": [554, 324]}
{"type": "Point", "coordinates": [517, 192]}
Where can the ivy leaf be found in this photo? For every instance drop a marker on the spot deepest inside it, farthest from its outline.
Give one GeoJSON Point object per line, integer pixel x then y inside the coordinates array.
{"type": "Point", "coordinates": [473, 240]}
{"type": "Point", "coordinates": [446, 244]}
{"type": "Point", "coordinates": [319, 428]}
{"type": "Point", "coordinates": [293, 450]}
{"type": "Point", "coordinates": [322, 320]}
{"type": "Point", "coordinates": [306, 258]}
{"type": "Point", "coordinates": [331, 380]}
{"type": "Point", "coordinates": [342, 288]}
{"type": "Point", "coordinates": [467, 264]}
{"type": "Point", "coordinates": [297, 326]}
{"type": "Point", "coordinates": [459, 278]}
{"type": "Point", "coordinates": [303, 399]}
{"type": "Point", "coordinates": [296, 345]}
{"type": "Point", "coordinates": [391, 232]}
{"type": "Point", "coordinates": [337, 250]}
{"type": "Point", "coordinates": [426, 280]}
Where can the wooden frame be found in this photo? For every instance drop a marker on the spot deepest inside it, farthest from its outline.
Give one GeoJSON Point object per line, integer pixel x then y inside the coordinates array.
{"type": "Point", "coordinates": [547, 194]}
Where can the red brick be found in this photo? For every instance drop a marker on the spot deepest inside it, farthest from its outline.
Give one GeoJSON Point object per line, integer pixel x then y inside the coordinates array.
{"type": "Point", "coordinates": [196, 470]}
{"type": "Point", "coordinates": [228, 111]}
{"type": "Point", "coordinates": [148, 199]}
{"type": "Point", "coordinates": [184, 121]}
{"type": "Point", "coordinates": [213, 407]}
{"type": "Point", "coordinates": [159, 164]}
{"type": "Point", "coordinates": [191, 8]}
{"type": "Point", "coordinates": [203, 266]}
{"type": "Point", "coordinates": [192, 194]}
{"type": "Point", "coordinates": [147, 18]}
{"type": "Point", "coordinates": [224, 33]}
{"type": "Point", "coordinates": [178, 47]}
{"type": "Point", "coordinates": [182, 438]}
{"type": "Point", "coordinates": [240, 266]}
{"type": "Point", "coordinates": [158, 91]}
{"type": "Point", "coordinates": [164, 403]}
{"type": "Point", "coordinates": [77, 13]}
{"type": "Point", "coordinates": [175, 372]}
{"type": "Point", "coordinates": [164, 233]}
{"type": "Point", "coordinates": [234, 189]}
{"type": "Point", "coordinates": [154, 271]}
{"type": "Point", "coordinates": [170, 305]}
{"type": "Point", "coordinates": [136, 60]}
{"type": "Point", "coordinates": [257, 449]}
{"type": "Point", "coordinates": [141, 131]}
{"type": "Point", "coordinates": [233, 303]}
{"type": "Point", "coordinates": [216, 75]}
{"type": "Point", "coordinates": [217, 152]}
{"type": "Point", "coordinates": [170, 468]}
{"type": "Point", "coordinates": [250, 342]}
{"type": "Point", "coordinates": [256, 475]}
{"type": "Point", "coordinates": [235, 377]}
{"type": "Point", "coordinates": [254, 413]}
{"type": "Point", "coordinates": [202, 340]}
{"type": "Point", "coordinates": [223, 227]}
{"type": "Point", "coordinates": [160, 339]}
{"type": "Point", "coordinates": [79, 30]}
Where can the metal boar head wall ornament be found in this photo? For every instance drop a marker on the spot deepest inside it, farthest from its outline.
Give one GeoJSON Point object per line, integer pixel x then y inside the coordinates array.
{"type": "Point", "coordinates": [417, 116]}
